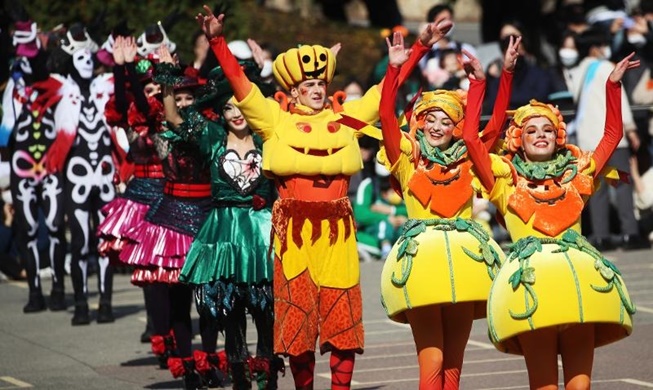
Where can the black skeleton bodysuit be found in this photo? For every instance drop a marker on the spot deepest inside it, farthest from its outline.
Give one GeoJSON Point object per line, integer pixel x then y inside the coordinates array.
{"type": "Point", "coordinates": [88, 177]}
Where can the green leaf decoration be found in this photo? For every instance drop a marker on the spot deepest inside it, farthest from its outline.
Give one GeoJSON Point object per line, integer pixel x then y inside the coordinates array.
{"type": "Point", "coordinates": [461, 225]}
{"type": "Point", "coordinates": [402, 249]}
{"type": "Point", "coordinates": [415, 230]}
{"type": "Point", "coordinates": [528, 275]}
{"type": "Point", "coordinates": [411, 248]}
{"type": "Point", "coordinates": [515, 278]}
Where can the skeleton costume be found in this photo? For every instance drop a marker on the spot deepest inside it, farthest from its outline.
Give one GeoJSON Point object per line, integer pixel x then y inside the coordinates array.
{"type": "Point", "coordinates": [228, 262]}
{"type": "Point", "coordinates": [82, 151]}
{"type": "Point", "coordinates": [29, 128]}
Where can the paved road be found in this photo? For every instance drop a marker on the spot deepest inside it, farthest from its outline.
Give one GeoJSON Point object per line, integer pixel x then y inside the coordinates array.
{"type": "Point", "coordinates": [43, 351]}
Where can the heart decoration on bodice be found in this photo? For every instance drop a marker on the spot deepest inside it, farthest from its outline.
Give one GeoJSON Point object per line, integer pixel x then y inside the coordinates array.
{"type": "Point", "coordinates": [243, 174]}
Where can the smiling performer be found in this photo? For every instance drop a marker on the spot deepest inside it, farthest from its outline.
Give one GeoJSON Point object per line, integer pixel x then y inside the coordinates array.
{"type": "Point", "coordinates": [438, 274]}
{"type": "Point", "coordinates": [555, 294]}
{"type": "Point", "coordinates": [311, 155]}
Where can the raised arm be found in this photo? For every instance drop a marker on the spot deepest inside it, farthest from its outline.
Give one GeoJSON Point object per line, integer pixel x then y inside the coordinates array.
{"type": "Point", "coordinates": [427, 38]}
{"type": "Point", "coordinates": [494, 126]}
{"type": "Point", "coordinates": [397, 56]}
{"type": "Point", "coordinates": [169, 106]}
{"type": "Point", "coordinates": [212, 27]}
{"type": "Point", "coordinates": [476, 150]}
{"type": "Point", "coordinates": [614, 129]}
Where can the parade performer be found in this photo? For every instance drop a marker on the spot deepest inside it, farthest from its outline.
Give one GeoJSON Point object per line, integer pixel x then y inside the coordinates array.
{"type": "Point", "coordinates": [438, 275]}
{"type": "Point", "coordinates": [28, 129]}
{"type": "Point", "coordinates": [229, 263]}
{"type": "Point", "coordinates": [555, 293]}
{"type": "Point", "coordinates": [157, 245]}
{"type": "Point", "coordinates": [140, 113]}
{"type": "Point", "coordinates": [316, 270]}
{"type": "Point", "coordinates": [82, 151]}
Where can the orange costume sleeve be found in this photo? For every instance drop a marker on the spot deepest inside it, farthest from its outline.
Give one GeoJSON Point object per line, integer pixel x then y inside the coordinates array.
{"type": "Point", "coordinates": [232, 70]}
{"type": "Point", "coordinates": [476, 149]}
{"type": "Point", "coordinates": [614, 127]}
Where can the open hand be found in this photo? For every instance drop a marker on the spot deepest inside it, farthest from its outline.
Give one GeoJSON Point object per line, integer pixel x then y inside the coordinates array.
{"type": "Point", "coordinates": [211, 25]}
{"type": "Point", "coordinates": [129, 49]}
{"type": "Point", "coordinates": [435, 31]}
{"type": "Point", "coordinates": [622, 66]}
{"type": "Point", "coordinates": [118, 55]}
{"type": "Point", "coordinates": [164, 55]}
{"type": "Point", "coordinates": [397, 52]}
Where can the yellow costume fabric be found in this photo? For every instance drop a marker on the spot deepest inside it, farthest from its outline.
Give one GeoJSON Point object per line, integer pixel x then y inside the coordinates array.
{"type": "Point", "coordinates": [439, 259]}
{"type": "Point", "coordinates": [312, 144]}
{"type": "Point", "coordinates": [552, 279]}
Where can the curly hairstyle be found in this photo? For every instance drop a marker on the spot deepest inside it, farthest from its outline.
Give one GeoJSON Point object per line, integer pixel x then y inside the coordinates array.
{"type": "Point", "coordinates": [513, 142]}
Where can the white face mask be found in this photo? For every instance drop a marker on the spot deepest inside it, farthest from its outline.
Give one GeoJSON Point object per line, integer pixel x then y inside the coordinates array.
{"type": "Point", "coordinates": [607, 52]}
{"type": "Point", "coordinates": [464, 84]}
{"type": "Point", "coordinates": [568, 56]}
{"type": "Point", "coordinates": [83, 62]}
{"type": "Point", "coordinates": [637, 40]}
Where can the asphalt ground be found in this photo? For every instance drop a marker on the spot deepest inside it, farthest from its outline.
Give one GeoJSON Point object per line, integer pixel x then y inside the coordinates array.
{"type": "Point", "coordinates": [44, 351]}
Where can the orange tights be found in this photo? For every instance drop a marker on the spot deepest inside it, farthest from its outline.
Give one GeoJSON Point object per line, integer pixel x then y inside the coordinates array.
{"type": "Point", "coordinates": [576, 346]}
{"type": "Point", "coordinates": [440, 334]}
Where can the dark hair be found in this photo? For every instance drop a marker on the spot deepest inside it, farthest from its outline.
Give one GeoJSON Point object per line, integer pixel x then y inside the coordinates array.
{"type": "Point", "coordinates": [384, 183]}
{"type": "Point", "coordinates": [435, 10]}
{"type": "Point", "coordinates": [646, 6]}
{"type": "Point", "coordinates": [196, 35]}
{"type": "Point", "coordinates": [445, 53]}
{"type": "Point", "coordinates": [592, 37]}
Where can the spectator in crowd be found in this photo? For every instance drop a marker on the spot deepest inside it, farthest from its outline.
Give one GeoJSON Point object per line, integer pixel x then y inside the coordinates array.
{"type": "Point", "coordinates": [430, 63]}
{"type": "Point", "coordinates": [588, 88]}
{"type": "Point", "coordinates": [530, 80]}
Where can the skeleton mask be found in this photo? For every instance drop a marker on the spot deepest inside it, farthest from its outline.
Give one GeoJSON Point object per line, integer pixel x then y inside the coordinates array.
{"type": "Point", "coordinates": [83, 62]}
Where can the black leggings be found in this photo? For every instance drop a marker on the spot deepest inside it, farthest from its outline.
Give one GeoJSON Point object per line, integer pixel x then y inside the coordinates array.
{"type": "Point", "coordinates": [171, 304]}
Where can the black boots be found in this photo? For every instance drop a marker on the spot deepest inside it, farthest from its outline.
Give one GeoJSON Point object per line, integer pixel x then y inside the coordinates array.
{"type": "Point", "coordinates": [212, 368]}
{"type": "Point", "coordinates": [81, 316]}
{"type": "Point", "coordinates": [163, 347]}
{"type": "Point", "coordinates": [57, 300]}
{"type": "Point", "coordinates": [265, 371]}
{"type": "Point", "coordinates": [240, 376]}
{"type": "Point", "coordinates": [105, 314]}
{"type": "Point", "coordinates": [35, 303]}
{"type": "Point", "coordinates": [185, 367]}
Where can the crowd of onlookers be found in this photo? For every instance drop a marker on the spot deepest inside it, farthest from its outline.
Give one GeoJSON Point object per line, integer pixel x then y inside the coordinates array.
{"type": "Point", "coordinates": [567, 68]}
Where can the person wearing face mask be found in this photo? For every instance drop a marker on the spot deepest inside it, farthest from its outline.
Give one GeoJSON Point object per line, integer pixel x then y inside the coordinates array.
{"type": "Point", "coordinates": [555, 294]}
{"type": "Point", "coordinates": [588, 79]}
{"type": "Point", "coordinates": [82, 151]}
{"type": "Point", "coordinates": [437, 276]}
{"type": "Point", "coordinates": [530, 80]}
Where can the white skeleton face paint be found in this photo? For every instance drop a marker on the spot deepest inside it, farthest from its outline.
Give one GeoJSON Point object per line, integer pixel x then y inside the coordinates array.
{"type": "Point", "coordinates": [83, 62]}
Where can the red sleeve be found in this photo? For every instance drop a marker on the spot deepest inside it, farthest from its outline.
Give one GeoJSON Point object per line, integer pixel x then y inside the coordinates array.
{"type": "Point", "coordinates": [476, 150]}
{"type": "Point", "coordinates": [493, 129]}
{"type": "Point", "coordinates": [389, 122]}
{"type": "Point", "coordinates": [614, 127]}
{"type": "Point", "coordinates": [417, 52]}
{"type": "Point", "coordinates": [232, 70]}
